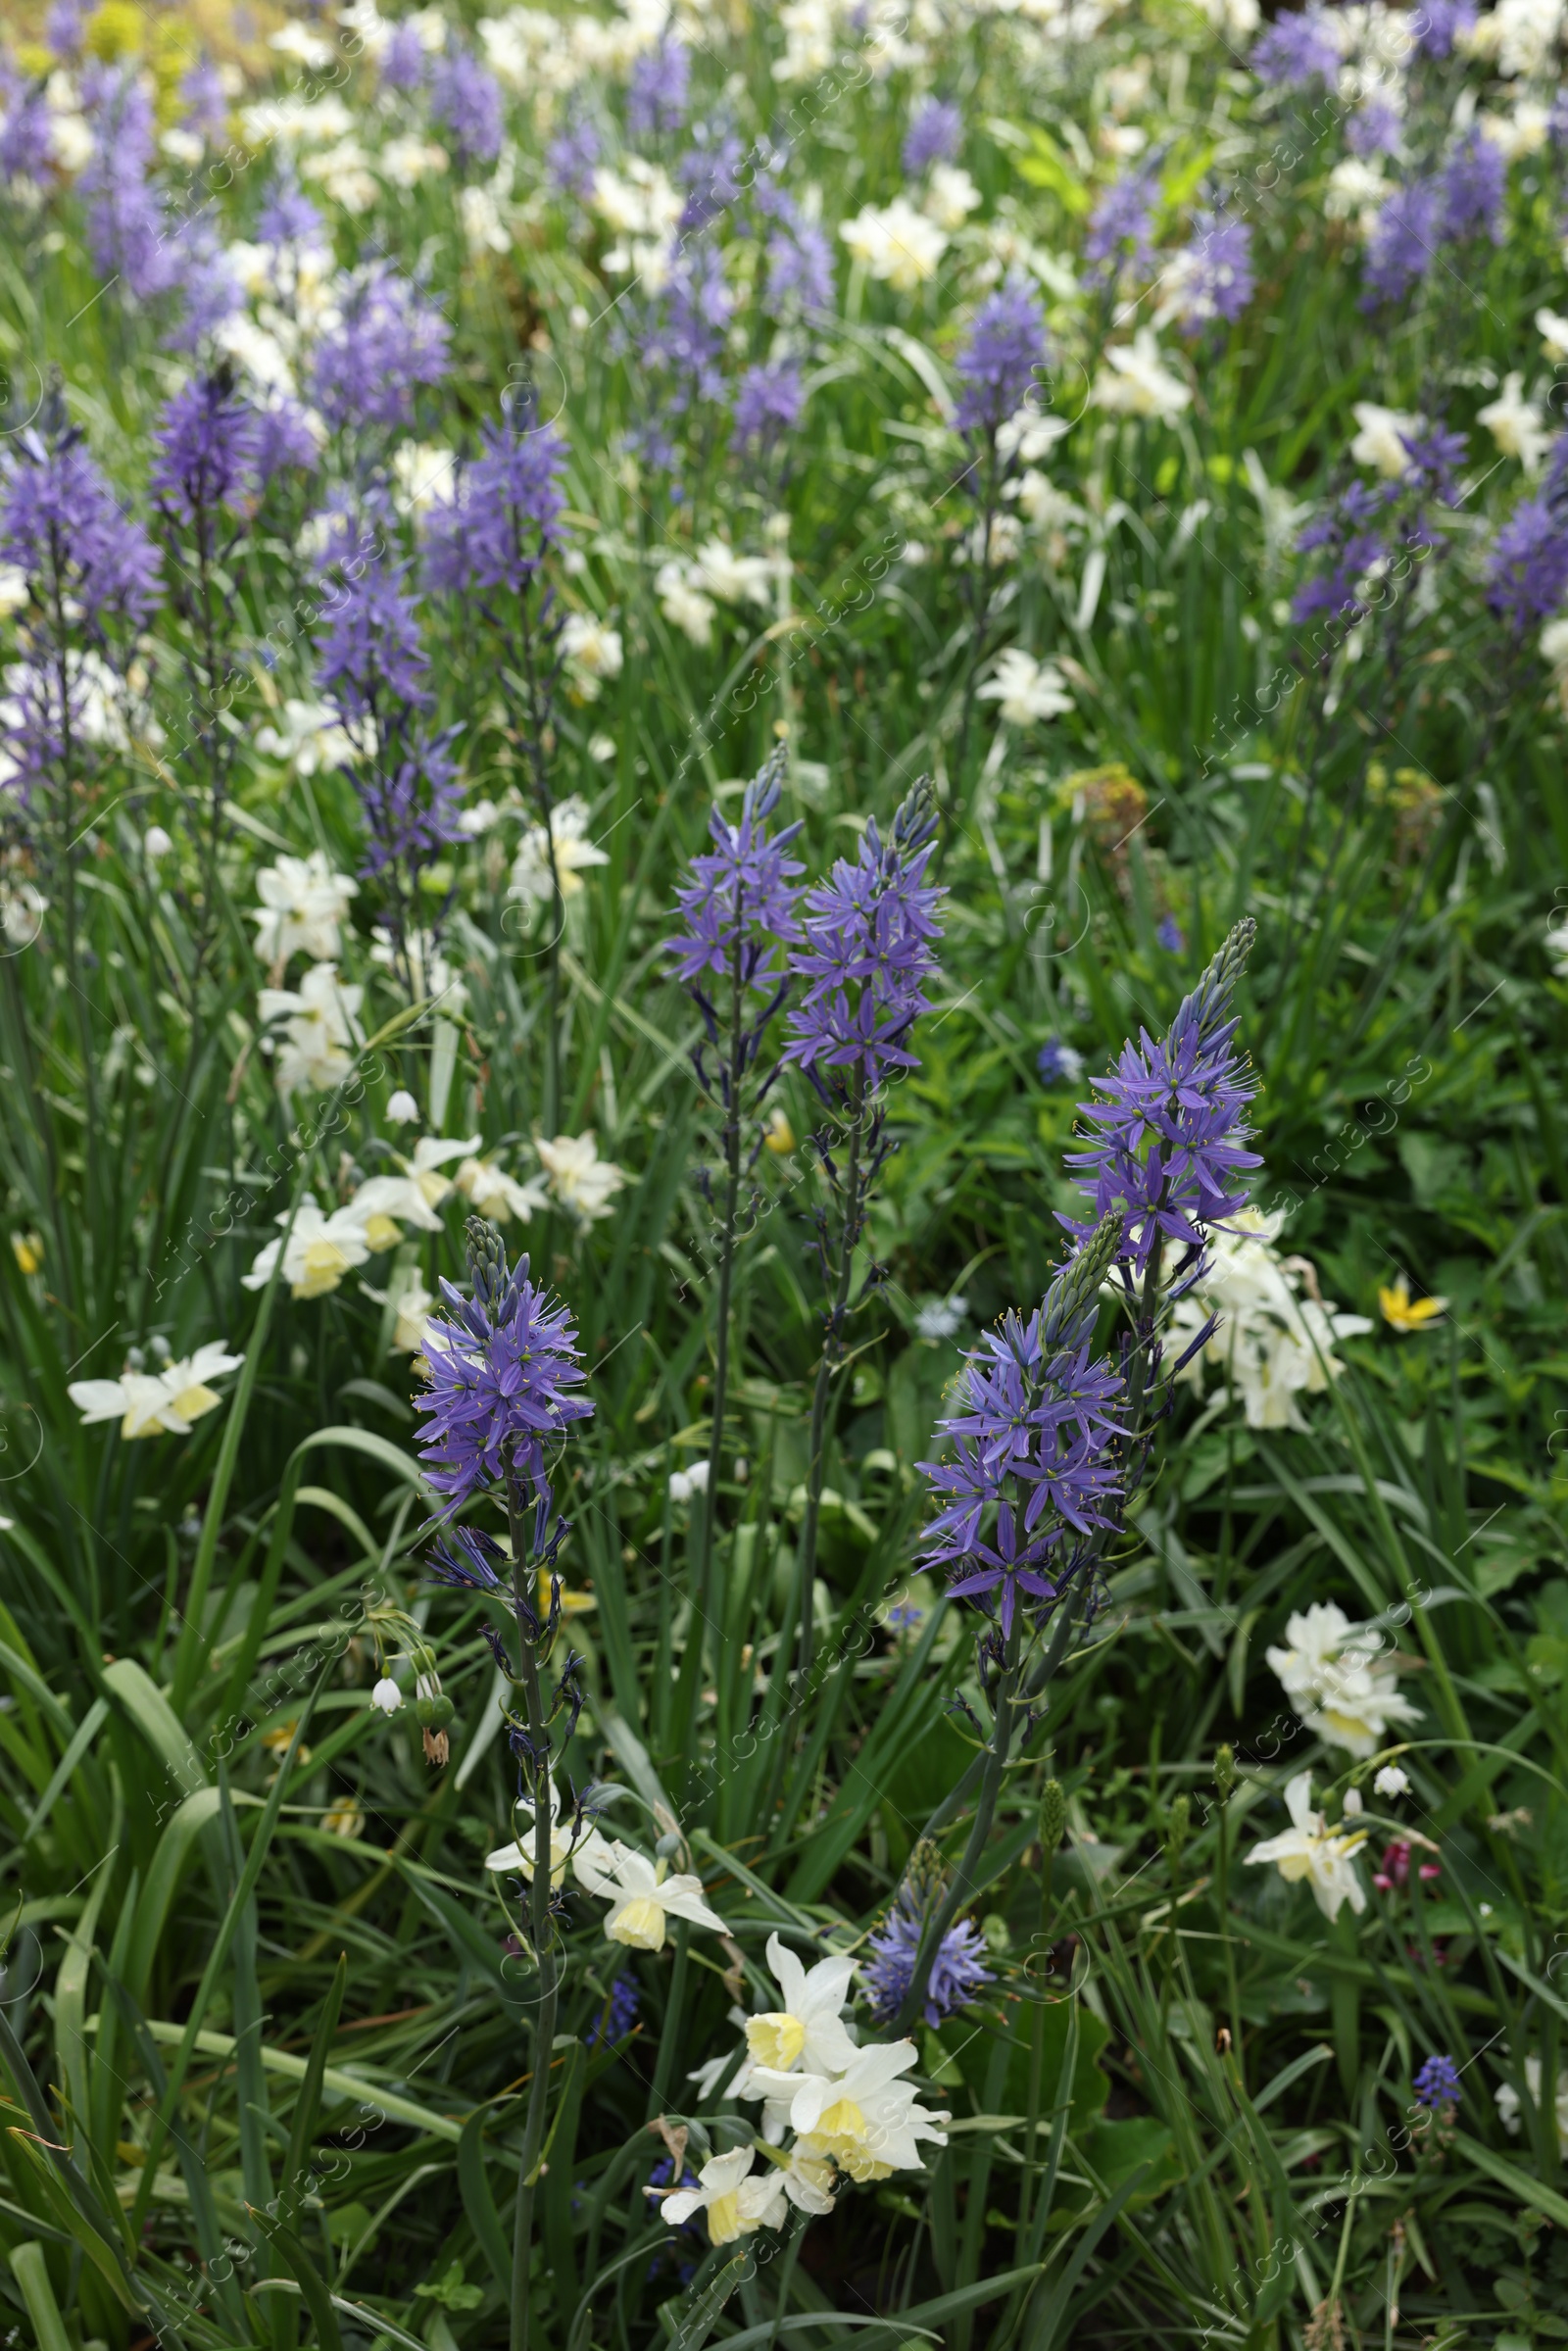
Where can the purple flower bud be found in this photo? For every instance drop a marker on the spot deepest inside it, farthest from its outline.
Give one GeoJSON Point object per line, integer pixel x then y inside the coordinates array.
{"type": "Point", "coordinates": [1003, 352]}
{"type": "Point", "coordinates": [934, 136]}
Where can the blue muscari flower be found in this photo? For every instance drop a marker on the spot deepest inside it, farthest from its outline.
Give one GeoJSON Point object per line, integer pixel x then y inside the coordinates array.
{"type": "Point", "coordinates": [1168, 1149]}
{"type": "Point", "coordinates": [503, 1368]}
{"type": "Point", "coordinates": [867, 955]}
{"type": "Point", "coordinates": [1438, 2083]}
{"type": "Point", "coordinates": [616, 2019]}
{"type": "Point", "coordinates": [1001, 358]}
{"type": "Point", "coordinates": [959, 1974]}
{"type": "Point", "coordinates": [934, 136]}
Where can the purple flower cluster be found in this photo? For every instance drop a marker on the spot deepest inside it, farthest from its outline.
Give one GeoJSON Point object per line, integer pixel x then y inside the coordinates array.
{"type": "Point", "coordinates": [769, 401]}
{"type": "Point", "coordinates": [371, 645]}
{"type": "Point", "coordinates": [657, 92]}
{"type": "Point", "coordinates": [1440, 24]}
{"type": "Point", "coordinates": [61, 526]}
{"type": "Point", "coordinates": [1168, 1151]}
{"type": "Point", "coordinates": [502, 518]}
{"type": "Point", "coordinates": [410, 809]}
{"type": "Point", "coordinates": [404, 64]}
{"type": "Point", "coordinates": [26, 130]}
{"type": "Point", "coordinates": [800, 258]}
{"type": "Point", "coordinates": [1437, 2083]}
{"type": "Point", "coordinates": [1405, 242]}
{"type": "Point", "coordinates": [1120, 237]}
{"type": "Point", "coordinates": [709, 173]}
{"type": "Point", "coordinates": [1475, 189]}
{"type": "Point", "coordinates": [1374, 130]}
{"type": "Point", "coordinates": [288, 217]}
{"type": "Point", "coordinates": [389, 341]}
{"type": "Point", "coordinates": [934, 136]}
{"type": "Point", "coordinates": [867, 955]}
{"type": "Point", "coordinates": [1001, 358]}
{"type": "Point", "coordinates": [1348, 538]}
{"type": "Point", "coordinates": [503, 1368]}
{"type": "Point", "coordinates": [126, 235]}
{"type": "Point", "coordinates": [467, 100]}
{"type": "Point", "coordinates": [1527, 572]}
{"type": "Point", "coordinates": [617, 2016]}
{"type": "Point", "coordinates": [1218, 280]}
{"type": "Point", "coordinates": [740, 903]}
{"type": "Point", "coordinates": [209, 449]}
{"type": "Point", "coordinates": [680, 349]}
{"type": "Point", "coordinates": [570, 158]}
{"type": "Point", "coordinates": [1295, 49]}
{"type": "Point", "coordinates": [1034, 1463]}
{"type": "Point", "coordinates": [959, 1974]}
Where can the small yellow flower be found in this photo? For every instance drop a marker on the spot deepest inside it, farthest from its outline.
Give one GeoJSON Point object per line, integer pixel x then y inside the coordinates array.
{"type": "Point", "coordinates": [276, 1742]}
{"type": "Point", "coordinates": [28, 1250]}
{"type": "Point", "coordinates": [572, 1603]}
{"type": "Point", "coordinates": [343, 1819]}
{"type": "Point", "coordinates": [1405, 1314]}
{"type": "Point", "coordinates": [780, 1134]}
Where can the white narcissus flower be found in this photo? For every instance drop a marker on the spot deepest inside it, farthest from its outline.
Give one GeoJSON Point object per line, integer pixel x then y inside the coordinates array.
{"type": "Point", "coordinates": [1552, 329]}
{"type": "Point", "coordinates": [1309, 1848]}
{"type": "Point", "coordinates": [492, 1193]}
{"type": "Point", "coordinates": [641, 1897]}
{"type": "Point", "coordinates": [1270, 1343]}
{"type": "Point", "coordinates": [733, 578]}
{"type": "Point", "coordinates": [569, 1841]}
{"type": "Point", "coordinates": [566, 846]}
{"type": "Point", "coordinates": [1135, 380]}
{"type": "Point", "coordinates": [1507, 2101]}
{"type": "Point", "coordinates": [420, 475]}
{"type": "Point", "coordinates": [320, 1022]}
{"type": "Point", "coordinates": [1026, 689]}
{"type": "Point", "coordinates": [304, 901]}
{"type": "Point", "coordinates": [421, 965]}
{"type": "Point", "coordinates": [863, 2118]}
{"type": "Point", "coordinates": [1327, 1673]}
{"type": "Point", "coordinates": [583, 1183]}
{"type": "Point", "coordinates": [162, 1404]}
{"type": "Point", "coordinates": [307, 737]}
{"type": "Point", "coordinates": [321, 1250]}
{"type": "Point", "coordinates": [733, 2202]}
{"type": "Point", "coordinates": [592, 651]}
{"type": "Point", "coordinates": [682, 602]}
{"type": "Point", "coordinates": [1557, 932]}
{"type": "Point", "coordinates": [897, 244]}
{"type": "Point", "coordinates": [1380, 441]}
{"type": "Point", "coordinates": [414, 1307]}
{"type": "Point", "coordinates": [951, 197]}
{"type": "Point", "coordinates": [1516, 423]}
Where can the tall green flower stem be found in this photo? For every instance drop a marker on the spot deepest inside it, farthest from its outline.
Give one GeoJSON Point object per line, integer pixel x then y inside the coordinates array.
{"type": "Point", "coordinates": [541, 1931]}
{"type": "Point", "coordinates": [850, 1190]}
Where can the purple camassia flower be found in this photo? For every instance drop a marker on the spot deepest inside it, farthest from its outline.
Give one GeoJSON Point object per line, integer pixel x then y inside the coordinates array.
{"type": "Point", "coordinates": [284, 438]}
{"type": "Point", "coordinates": [1221, 280]}
{"type": "Point", "coordinates": [372, 646]}
{"type": "Point", "coordinates": [404, 62]}
{"type": "Point", "coordinates": [126, 234]}
{"type": "Point", "coordinates": [25, 151]}
{"type": "Point", "coordinates": [1434, 459]}
{"type": "Point", "coordinates": [1035, 1425]}
{"type": "Point", "coordinates": [1169, 1150]}
{"type": "Point", "coordinates": [411, 810]}
{"type": "Point", "coordinates": [769, 401]}
{"type": "Point", "coordinates": [1001, 358]}
{"type": "Point", "coordinates": [800, 258]}
{"type": "Point", "coordinates": [288, 217]}
{"type": "Point", "coordinates": [741, 900]}
{"type": "Point", "coordinates": [1438, 24]}
{"type": "Point", "coordinates": [501, 521]}
{"type": "Point", "coordinates": [210, 292]}
{"type": "Point", "coordinates": [570, 157]}
{"type": "Point", "coordinates": [206, 102]}
{"type": "Point", "coordinates": [867, 955]}
{"type": "Point", "coordinates": [1171, 937]}
{"type": "Point", "coordinates": [657, 93]}
{"type": "Point", "coordinates": [1437, 2083]}
{"type": "Point", "coordinates": [1374, 130]}
{"type": "Point", "coordinates": [1294, 50]}
{"type": "Point", "coordinates": [388, 341]}
{"type": "Point", "coordinates": [466, 99]}
{"type": "Point", "coordinates": [208, 446]}
{"type": "Point", "coordinates": [1475, 189]}
{"type": "Point", "coordinates": [1121, 227]}
{"type": "Point", "coordinates": [683, 339]}
{"type": "Point", "coordinates": [1527, 573]}
{"type": "Point", "coordinates": [959, 1974]}
{"type": "Point", "coordinates": [934, 136]}
{"type": "Point", "coordinates": [63, 528]}
{"type": "Point", "coordinates": [708, 171]}
{"type": "Point", "coordinates": [503, 1366]}
{"type": "Point", "coordinates": [62, 26]}
{"type": "Point", "coordinates": [1405, 242]}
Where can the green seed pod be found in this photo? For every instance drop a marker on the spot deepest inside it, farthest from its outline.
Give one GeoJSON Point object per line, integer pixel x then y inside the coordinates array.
{"type": "Point", "coordinates": [442, 1712]}
{"type": "Point", "coordinates": [424, 1713]}
{"type": "Point", "coordinates": [1053, 1817]}
{"type": "Point", "coordinates": [1225, 1771]}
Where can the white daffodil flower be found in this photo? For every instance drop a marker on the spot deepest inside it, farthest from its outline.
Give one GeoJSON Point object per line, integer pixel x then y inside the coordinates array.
{"type": "Point", "coordinates": [1271, 1344]}
{"type": "Point", "coordinates": [682, 602]}
{"type": "Point", "coordinates": [581, 1181]}
{"type": "Point", "coordinates": [1026, 689]}
{"type": "Point", "coordinates": [1381, 439]}
{"type": "Point", "coordinates": [643, 1899]}
{"type": "Point", "coordinates": [951, 197]}
{"type": "Point", "coordinates": [718, 570]}
{"type": "Point", "coordinates": [307, 737]}
{"type": "Point", "coordinates": [566, 848]}
{"type": "Point", "coordinates": [733, 2202]}
{"type": "Point", "coordinates": [414, 1307]}
{"type": "Point", "coordinates": [1329, 1676]}
{"type": "Point", "coordinates": [897, 244]}
{"type": "Point", "coordinates": [163, 1403]}
{"type": "Point", "coordinates": [321, 1250]}
{"type": "Point", "coordinates": [490, 1192]}
{"type": "Point", "coordinates": [864, 2118]}
{"type": "Point", "coordinates": [592, 651]}
{"type": "Point", "coordinates": [428, 974]}
{"type": "Point", "coordinates": [302, 908]}
{"type": "Point", "coordinates": [1136, 382]}
{"type": "Point", "coordinates": [1516, 424]}
{"type": "Point", "coordinates": [320, 1022]}
{"type": "Point", "coordinates": [569, 1841]}
{"type": "Point", "coordinates": [1309, 1848]}
{"type": "Point", "coordinates": [1507, 2102]}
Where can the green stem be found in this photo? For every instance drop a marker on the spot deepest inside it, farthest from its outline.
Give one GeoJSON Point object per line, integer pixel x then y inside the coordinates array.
{"type": "Point", "coordinates": [832, 1350]}
{"type": "Point", "coordinates": [539, 1927]}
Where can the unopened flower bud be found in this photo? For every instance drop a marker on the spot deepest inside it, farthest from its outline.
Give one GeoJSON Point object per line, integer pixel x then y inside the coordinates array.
{"type": "Point", "coordinates": [1053, 1816]}
{"type": "Point", "coordinates": [1224, 1771]}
